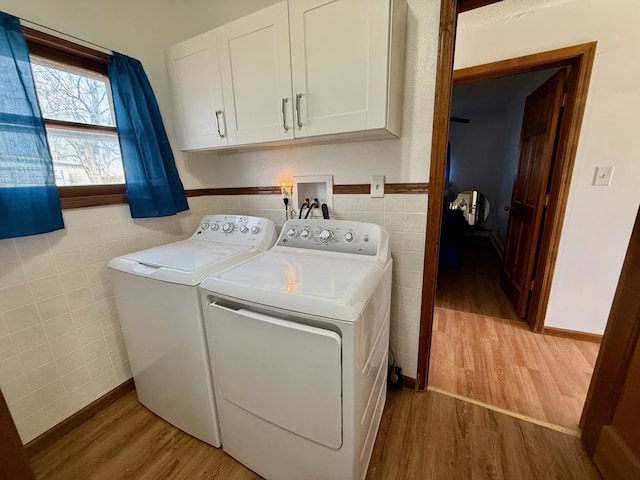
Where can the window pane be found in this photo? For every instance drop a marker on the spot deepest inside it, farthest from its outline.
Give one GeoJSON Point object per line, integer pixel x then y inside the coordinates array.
{"type": "Point", "coordinates": [81, 158]}
{"type": "Point", "coordinates": [72, 96]}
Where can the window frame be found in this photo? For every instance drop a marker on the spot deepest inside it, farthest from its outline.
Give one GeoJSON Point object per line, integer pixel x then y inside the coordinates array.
{"type": "Point", "coordinates": [57, 49]}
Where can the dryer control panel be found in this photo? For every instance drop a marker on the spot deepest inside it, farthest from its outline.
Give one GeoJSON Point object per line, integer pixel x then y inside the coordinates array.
{"type": "Point", "coordinates": [236, 229]}
{"type": "Point", "coordinates": [333, 235]}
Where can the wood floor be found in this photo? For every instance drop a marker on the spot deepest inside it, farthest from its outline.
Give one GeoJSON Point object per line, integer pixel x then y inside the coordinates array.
{"type": "Point", "coordinates": [422, 436]}
{"type": "Point", "coordinates": [475, 286]}
{"type": "Point", "coordinates": [480, 349]}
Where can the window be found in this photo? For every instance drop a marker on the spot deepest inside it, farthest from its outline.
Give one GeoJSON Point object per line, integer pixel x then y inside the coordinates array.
{"type": "Point", "coordinates": [76, 106]}
{"type": "Point", "coordinates": [75, 99]}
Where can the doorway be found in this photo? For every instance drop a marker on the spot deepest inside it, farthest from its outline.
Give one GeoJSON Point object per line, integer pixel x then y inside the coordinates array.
{"type": "Point", "coordinates": [580, 59]}
{"type": "Point", "coordinates": [482, 162]}
{"type": "Point", "coordinates": [482, 347]}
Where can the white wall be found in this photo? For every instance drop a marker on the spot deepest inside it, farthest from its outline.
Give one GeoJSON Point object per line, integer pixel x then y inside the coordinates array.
{"type": "Point", "coordinates": [598, 220]}
{"type": "Point", "coordinates": [477, 150]}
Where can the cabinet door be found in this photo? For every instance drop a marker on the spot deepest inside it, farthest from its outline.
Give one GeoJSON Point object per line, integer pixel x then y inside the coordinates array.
{"type": "Point", "coordinates": [256, 76]}
{"type": "Point", "coordinates": [339, 55]}
{"type": "Point", "coordinates": [196, 90]}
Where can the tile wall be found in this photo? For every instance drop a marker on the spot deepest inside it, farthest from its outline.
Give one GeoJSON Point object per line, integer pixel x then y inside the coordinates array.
{"type": "Point", "coordinates": [61, 346]}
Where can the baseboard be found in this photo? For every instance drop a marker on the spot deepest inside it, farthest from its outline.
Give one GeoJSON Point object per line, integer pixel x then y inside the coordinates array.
{"type": "Point", "coordinates": [499, 248]}
{"type": "Point", "coordinates": [408, 382]}
{"type": "Point", "coordinates": [58, 431]}
{"type": "Point", "coordinates": [560, 332]}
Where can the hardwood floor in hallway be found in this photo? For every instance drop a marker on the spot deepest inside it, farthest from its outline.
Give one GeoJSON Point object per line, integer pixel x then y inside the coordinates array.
{"type": "Point", "coordinates": [481, 350]}
{"type": "Point", "coordinates": [501, 363]}
{"type": "Point", "coordinates": [422, 436]}
{"type": "Point", "coordinates": [475, 286]}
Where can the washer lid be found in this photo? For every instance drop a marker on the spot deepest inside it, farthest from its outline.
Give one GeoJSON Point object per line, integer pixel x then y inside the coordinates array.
{"type": "Point", "coordinates": [187, 255]}
{"type": "Point", "coordinates": [328, 284]}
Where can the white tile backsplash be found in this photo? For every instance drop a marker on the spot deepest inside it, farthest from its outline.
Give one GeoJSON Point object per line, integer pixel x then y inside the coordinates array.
{"type": "Point", "coordinates": [34, 357]}
{"type": "Point", "coordinates": [10, 368]}
{"type": "Point", "coordinates": [12, 275]}
{"type": "Point", "coordinates": [73, 279]}
{"type": "Point", "coordinates": [61, 346]}
{"type": "Point", "coordinates": [21, 317]}
{"type": "Point", "coordinates": [8, 251]}
{"type": "Point", "coordinates": [59, 329]}
{"type": "Point", "coordinates": [40, 266]}
{"type": "Point", "coordinates": [28, 337]}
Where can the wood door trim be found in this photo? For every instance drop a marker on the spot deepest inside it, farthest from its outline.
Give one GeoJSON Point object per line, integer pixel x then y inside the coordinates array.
{"type": "Point", "coordinates": [618, 343]}
{"type": "Point", "coordinates": [58, 431]}
{"type": "Point", "coordinates": [580, 57]}
{"type": "Point", "coordinates": [466, 5]}
{"type": "Point", "coordinates": [584, 337]}
{"type": "Point", "coordinates": [613, 457]}
{"type": "Point", "coordinates": [14, 463]}
{"type": "Point", "coordinates": [577, 89]}
{"type": "Point", "coordinates": [525, 64]}
{"type": "Point", "coordinates": [389, 188]}
{"type": "Point", "coordinates": [101, 195]}
{"type": "Point", "coordinates": [408, 382]}
{"type": "Point", "coordinates": [440, 134]}
{"type": "Point", "coordinates": [338, 189]}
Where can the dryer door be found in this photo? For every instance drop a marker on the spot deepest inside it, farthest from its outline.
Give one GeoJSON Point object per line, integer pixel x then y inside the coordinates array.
{"type": "Point", "coordinates": [286, 373]}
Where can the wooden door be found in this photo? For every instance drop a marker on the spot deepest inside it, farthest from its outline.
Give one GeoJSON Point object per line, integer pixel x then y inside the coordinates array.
{"type": "Point", "coordinates": [196, 91]}
{"type": "Point", "coordinates": [255, 69]}
{"type": "Point", "coordinates": [530, 187]}
{"type": "Point", "coordinates": [13, 460]}
{"type": "Point", "coordinates": [611, 424]}
{"type": "Point", "coordinates": [339, 52]}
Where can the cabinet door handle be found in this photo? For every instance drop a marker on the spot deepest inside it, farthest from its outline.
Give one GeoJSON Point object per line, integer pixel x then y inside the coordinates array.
{"type": "Point", "coordinates": [218, 113]}
{"type": "Point", "coordinates": [284, 114]}
{"type": "Point", "coordinates": [298, 97]}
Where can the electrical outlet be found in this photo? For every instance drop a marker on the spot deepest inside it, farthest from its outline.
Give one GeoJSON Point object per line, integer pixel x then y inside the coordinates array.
{"type": "Point", "coordinates": [377, 186]}
{"type": "Point", "coordinates": [603, 176]}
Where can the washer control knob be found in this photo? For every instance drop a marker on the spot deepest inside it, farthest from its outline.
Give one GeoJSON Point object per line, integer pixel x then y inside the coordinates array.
{"type": "Point", "coordinates": [291, 233]}
{"type": "Point", "coordinates": [244, 229]}
{"type": "Point", "coordinates": [255, 229]}
{"type": "Point", "coordinates": [325, 235]}
{"type": "Point", "coordinates": [215, 227]}
{"type": "Point", "coordinates": [348, 237]}
{"type": "Point", "coordinates": [305, 234]}
{"type": "Point", "coordinates": [227, 227]}
{"type": "Point", "coordinates": [205, 226]}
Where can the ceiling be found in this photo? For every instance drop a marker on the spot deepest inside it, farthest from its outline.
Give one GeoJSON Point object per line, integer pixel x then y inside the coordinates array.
{"type": "Point", "coordinates": [493, 94]}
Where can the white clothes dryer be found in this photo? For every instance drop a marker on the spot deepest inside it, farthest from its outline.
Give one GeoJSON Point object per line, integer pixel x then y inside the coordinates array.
{"type": "Point", "coordinates": [157, 297]}
{"type": "Point", "coordinates": [298, 339]}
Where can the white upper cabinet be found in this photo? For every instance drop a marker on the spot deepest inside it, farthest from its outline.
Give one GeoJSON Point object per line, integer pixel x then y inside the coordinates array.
{"type": "Point", "coordinates": [255, 68]}
{"type": "Point", "coordinates": [197, 93]}
{"type": "Point", "coordinates": [295, 70]}
{"type": "Point", "coordinates": [340, 65]}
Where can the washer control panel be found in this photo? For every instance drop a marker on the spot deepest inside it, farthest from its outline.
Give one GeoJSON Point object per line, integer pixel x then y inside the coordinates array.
{"type": "Point", "coordinates": [331, 235]}
{"type": "Point", "coordinates": [237, 229]}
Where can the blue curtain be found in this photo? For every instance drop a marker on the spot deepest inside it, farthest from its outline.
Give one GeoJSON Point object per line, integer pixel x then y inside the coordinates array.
{"type": "Point", "coordinates": [154, 188]}
{"type": "Point", "coordinates": [29, 202]}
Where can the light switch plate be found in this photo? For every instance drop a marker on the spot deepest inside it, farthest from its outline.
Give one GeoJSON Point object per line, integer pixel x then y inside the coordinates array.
{"type": "Point", "coordinates": [603, 176]}
{"type": "Point", "coordinates": [377, 186]}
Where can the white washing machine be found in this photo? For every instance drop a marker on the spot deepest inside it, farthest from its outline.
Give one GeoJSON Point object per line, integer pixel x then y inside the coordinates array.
{"type": "Point", "coordinates": [156, 293]}
{"type": "Point", "coordinates": [298, 339]}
